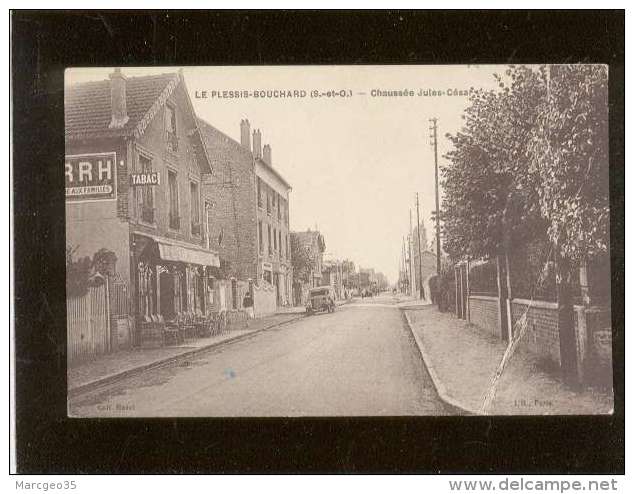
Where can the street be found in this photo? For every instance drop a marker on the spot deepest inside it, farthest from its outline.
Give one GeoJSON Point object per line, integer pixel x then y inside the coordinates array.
{"type": "Point", "coordinates": [359, 360]}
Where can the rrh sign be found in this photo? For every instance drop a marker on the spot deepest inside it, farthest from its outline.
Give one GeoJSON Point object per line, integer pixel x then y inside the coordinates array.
{"type": "Point", "coordinates": [90, 176]}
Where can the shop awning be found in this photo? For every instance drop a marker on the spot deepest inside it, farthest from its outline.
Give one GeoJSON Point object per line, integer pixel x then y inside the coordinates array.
{"type": "Point", "coordinates": [178, 253]}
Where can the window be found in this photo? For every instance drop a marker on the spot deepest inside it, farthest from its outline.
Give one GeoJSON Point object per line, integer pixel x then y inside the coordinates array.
{"type": "Point", "coordinates": [270, 244]}
{"type": "Point", "coordinates": [259, 193]}
{"type": "Point", "coordinates": [208, 223]}
{"type": "Point", "coordinates": [268, 202]}
{"type": "Point", "coordinates": [145, 194]}
{"type": "Point", "coordinates": [274, 240]}
{"type": "Point", "coordinates": [279, 240]}
{"type": "Point", "coordinates": [170, 128]}
{"type": "Point", "coordinates": [287, 252]}
{"type": "Point", "coordinates": [260, 239]}
{"type": "Point", "coordinates": [279, 208]}
{"type": "Point", "coordinates": [195, 207]}
{"type": "Point", "coordinates": [174, 219]}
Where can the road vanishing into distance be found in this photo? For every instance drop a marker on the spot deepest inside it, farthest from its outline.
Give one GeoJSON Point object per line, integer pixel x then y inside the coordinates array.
{"type": "Point", "coordinates": [360, 360]}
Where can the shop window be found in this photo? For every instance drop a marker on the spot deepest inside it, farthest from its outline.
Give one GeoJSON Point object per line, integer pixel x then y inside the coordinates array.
{"type": "Point", "coordinates": [174, 219]}
{"type": "Point", "coordinates": [170, 128]}
{"type": "Point", "coordinates": [195, 208]}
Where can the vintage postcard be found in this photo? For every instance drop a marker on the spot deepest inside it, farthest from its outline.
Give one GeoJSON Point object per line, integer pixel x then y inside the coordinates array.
{"type": "Point", "coordinates": [331, 241]}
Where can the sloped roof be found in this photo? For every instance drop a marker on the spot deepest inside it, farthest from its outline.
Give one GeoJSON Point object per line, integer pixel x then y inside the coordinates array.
{"type": "Point", "coordinates": [87, 109]}
{"type": "Point", "coordinates": [221, 147]}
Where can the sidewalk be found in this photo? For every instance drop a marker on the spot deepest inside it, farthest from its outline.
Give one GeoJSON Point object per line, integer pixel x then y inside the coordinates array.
{"type": "Point", "coordinates": [114, 366]}
{"type": "Point", "coordinates": [462, 359]}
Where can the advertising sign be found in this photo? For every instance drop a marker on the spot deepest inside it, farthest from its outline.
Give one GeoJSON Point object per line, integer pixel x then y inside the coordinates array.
{"type": "Point", "coordinates": [90, 177]}
{"type": "Point", "coordinates": [150, 178]}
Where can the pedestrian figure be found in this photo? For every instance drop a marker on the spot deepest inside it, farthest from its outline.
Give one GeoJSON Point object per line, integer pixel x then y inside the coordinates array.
{"type": "Point", "coordinates": [247, 303]}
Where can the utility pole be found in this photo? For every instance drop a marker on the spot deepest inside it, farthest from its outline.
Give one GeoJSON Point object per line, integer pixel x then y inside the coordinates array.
{"type": "Point", "coordinates": [405, 283]}
{"type": "Point", "coordinates": [412, 276]}
{"type": "Point", "coordinates": [434, 141]}
{"type": "Point", "coordinates": [420, 257]}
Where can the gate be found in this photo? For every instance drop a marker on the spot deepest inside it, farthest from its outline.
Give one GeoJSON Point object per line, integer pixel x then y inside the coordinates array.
{"type": "Point", "coordinates": [88, 325]}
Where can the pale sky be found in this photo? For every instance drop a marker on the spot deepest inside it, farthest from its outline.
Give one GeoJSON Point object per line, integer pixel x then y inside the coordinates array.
{"type": "Point", "coordinates": [355, 163]}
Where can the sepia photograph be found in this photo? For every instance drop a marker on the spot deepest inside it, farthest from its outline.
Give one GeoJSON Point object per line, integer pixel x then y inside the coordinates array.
{"type": "Point", "coordinates": [337, 241]}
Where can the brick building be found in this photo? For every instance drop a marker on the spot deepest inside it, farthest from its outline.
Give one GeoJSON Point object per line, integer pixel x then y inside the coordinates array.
{"type": "Point", "coordinates": [248, 220]}
{"type": "Point", "coordinates": [134, 168]}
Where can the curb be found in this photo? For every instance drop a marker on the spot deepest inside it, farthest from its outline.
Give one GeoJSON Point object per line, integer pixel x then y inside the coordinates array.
{"type": "Point", "coordinates": [112, 378]}
{"type": "Point", "coordinates": [438, 385]}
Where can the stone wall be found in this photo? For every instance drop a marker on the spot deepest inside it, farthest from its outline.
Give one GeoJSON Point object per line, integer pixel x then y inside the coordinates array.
{"type": "Point", "coordinates": [484, 313]}
{"type": "Point", "coordinates": [542, 332]}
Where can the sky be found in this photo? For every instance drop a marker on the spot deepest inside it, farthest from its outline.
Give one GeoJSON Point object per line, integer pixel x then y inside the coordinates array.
{"type": "Point", "coordinates": [355, 163]}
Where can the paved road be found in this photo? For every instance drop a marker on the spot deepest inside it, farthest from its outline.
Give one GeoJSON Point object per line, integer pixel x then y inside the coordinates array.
{"type": "Point", "coordinates": [360, 360]}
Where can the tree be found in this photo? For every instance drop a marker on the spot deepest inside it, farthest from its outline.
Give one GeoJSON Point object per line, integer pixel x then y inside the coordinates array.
{"type": "Point", "coordinates": [302, 259]}
{"type": "Point", "coordinates": [490, 197]}
{"type": "Point", "coordinates": [568, 150]}
{"type": "Point", "coordinates": [104, 261]}
{"type": "Point", "coordinates": [78, 272]}
{"type": "Point", "coordinates": [532, 160]}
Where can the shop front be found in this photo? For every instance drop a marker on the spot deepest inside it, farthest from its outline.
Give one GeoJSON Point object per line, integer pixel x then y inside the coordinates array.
{"type": "Point", "coordinates": [171, 278]}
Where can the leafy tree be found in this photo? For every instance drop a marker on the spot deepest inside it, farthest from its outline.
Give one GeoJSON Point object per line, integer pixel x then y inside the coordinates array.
{"type": "Point", "coordinates": [490, 199]}
{"type": "Point", "coordinates": [302, 259]}
{"type": "Point", "coordinates": [104, 261]}
{"type": "Point", "coordinates": [568, 150]}
{"type": "Point", "coordinates": [532, 161]}
{"type": "Point", "coordinates": [78, 271]}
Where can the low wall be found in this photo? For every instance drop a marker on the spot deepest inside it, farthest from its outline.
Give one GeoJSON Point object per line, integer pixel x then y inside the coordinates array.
{"type": "Point", "coordinates": [264, 300]}
{"type": "Point", "coordinates": [484, 313]}
{"type": "Point", "coordinates": [542, 331]}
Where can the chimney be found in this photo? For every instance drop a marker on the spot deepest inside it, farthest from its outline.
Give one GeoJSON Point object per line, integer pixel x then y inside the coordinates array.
{"type": "Point", "coordinates": [267, 155]}
{"type": "Point", "coordinates": [245, 134]}
{"type": "Point", "coordinates": [118, 100]}
{"type": "Point", "coordinates": [257, 144]}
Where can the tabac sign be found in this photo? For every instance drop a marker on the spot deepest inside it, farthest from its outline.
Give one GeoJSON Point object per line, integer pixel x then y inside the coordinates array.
{"type": "Point", "coordinates": [90, 177]}
{"type": "Point", "coordinates": [150, 178]}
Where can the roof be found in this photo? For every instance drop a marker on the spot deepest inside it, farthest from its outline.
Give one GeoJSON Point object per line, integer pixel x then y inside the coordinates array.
{"type": "Point", "coordinates": [275, 172]}
{"type": "Point", "coordinates": [221, 147]}
{"type": "Point", "coordinates": [87, 109]}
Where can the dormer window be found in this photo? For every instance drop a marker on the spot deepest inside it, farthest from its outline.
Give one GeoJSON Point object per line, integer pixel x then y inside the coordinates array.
{"type": "Point", "coordinates": [170, 128]}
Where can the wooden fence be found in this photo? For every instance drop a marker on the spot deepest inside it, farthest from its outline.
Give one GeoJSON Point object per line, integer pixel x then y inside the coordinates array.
{"type": "Point", "coordinates": [88, 328]}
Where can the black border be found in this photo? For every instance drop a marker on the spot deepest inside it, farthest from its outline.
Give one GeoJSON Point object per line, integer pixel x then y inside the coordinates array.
{"type": "Point", "coordinates": [44, 43]}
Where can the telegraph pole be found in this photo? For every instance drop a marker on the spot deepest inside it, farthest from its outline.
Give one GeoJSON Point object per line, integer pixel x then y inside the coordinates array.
{"type": "Point", "coordinates": [412, 276]}
{"type": "Point", "coordinates": [420, 257]}
{"type": "Point", "coordinates": [434, 141]}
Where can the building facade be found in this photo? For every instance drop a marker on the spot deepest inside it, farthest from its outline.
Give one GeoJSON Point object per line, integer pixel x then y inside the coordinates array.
{"type": "Point", "coordinates": [134, 168]}
{"type": "Point", "coordinates": [249, 217]}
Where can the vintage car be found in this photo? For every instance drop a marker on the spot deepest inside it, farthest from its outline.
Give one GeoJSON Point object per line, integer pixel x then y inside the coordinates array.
{"type": "Point", "coordinates": [321, 298]}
